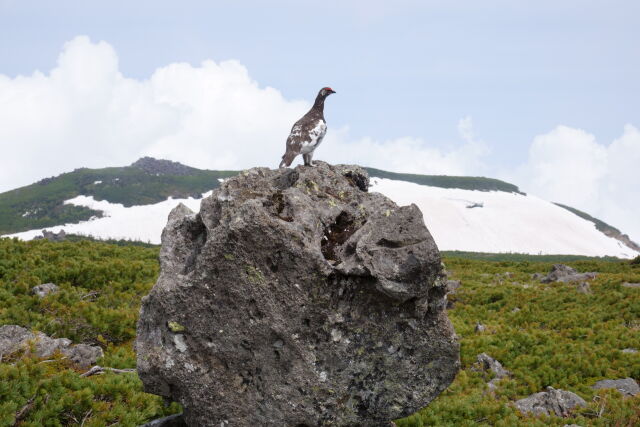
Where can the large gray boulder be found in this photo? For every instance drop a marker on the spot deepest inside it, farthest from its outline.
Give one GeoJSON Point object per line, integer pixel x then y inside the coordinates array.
{"type": "Point", "coordinates": [295, 297]}
{"type": "Point", "coordinates": [14, 338]}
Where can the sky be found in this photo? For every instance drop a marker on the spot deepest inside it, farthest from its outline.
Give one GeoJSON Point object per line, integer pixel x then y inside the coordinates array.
{"type": "Point", "coordinates": [543, 94]}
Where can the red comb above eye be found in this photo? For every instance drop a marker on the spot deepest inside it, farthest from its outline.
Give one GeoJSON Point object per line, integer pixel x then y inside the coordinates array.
{"type": "Point", "coordinates": [328, 88]}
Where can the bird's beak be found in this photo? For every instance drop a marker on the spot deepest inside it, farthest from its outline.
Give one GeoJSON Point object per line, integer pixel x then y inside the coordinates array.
{"type": "Point", "coordinates": [333, 91]}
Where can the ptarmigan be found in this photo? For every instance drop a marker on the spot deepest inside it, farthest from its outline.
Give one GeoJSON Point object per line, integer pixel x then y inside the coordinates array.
{"type": "Point", "coordinates": [307, 133]}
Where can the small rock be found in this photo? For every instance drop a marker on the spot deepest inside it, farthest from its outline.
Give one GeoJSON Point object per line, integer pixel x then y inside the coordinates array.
{"type": "Point", "coordinates": [44, 289]}
{"type": "Point", "coordinates": [52, 236]}
{"type": "Point", "coordinates": [572, 425]}
{"type": "Point", "coordinates": [515, 309]}
{"type": "Point", "coordinates": [83, 355]}
{"type": "Point", "coordinates": [631, 285]}
{"type": "Point", "coordinates": [452, 286]}
{"type": "Point", "coordinates": [480, 327]}
{"type": "Point", "coordinates": [584, 288]}
{"type": "Point", "coordinates": [630, 350]}
{"type": "Point", "coordinates": [626, 386]}
{"type": "Point", "coordinates": [563, 273]}
{"type": "Point", "coordinates": [14, 338]}
{"type": "Point", "coordinates": [486, 363]}
{"type": "Point", "coordinates": [550, 402]}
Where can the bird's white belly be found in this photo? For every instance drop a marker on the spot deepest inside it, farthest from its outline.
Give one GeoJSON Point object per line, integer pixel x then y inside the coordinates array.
{"type": "Point", "coordinates": [316, 135]}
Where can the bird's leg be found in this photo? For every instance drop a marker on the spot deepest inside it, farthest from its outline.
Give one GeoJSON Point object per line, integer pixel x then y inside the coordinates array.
{"type": "Point", "coordinates": [307, 159]}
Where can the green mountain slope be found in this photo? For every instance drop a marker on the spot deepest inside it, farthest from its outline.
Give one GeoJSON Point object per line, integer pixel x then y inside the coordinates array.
{"type": "Point", "coordinates": [146, 181]}
{"type": "Point", "coordinates": [607, 229]}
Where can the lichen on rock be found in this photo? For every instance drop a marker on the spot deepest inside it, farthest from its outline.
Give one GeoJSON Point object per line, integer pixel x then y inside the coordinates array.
{"type": "Point", "coordinates": [302, 300]}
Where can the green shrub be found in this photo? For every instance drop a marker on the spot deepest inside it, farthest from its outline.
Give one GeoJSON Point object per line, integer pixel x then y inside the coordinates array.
{"type": "Point", "coordinates": [558, 337]}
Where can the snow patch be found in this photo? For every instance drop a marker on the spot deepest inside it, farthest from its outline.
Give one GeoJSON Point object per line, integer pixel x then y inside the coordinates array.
{"type": "Point", "coordinates": [143, 223]}
{"type": "Point", "coordinates": [505, 222]}
{"type": "Point", "coordinates": [97, 182]}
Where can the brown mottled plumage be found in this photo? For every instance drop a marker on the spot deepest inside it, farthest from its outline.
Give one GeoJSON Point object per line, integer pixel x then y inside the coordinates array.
{"type": "Point", "coordinates": [308, 132]}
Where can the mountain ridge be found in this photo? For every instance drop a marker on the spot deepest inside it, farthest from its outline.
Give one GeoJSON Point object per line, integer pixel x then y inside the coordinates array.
{"type": "Point", "coordinates": [148, 180]}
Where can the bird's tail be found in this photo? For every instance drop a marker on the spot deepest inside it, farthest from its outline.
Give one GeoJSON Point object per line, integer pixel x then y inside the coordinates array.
{"type": "Point", "coordinates": [287, 158]}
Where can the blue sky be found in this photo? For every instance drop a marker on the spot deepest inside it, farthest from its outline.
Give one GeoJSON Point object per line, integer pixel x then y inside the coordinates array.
{"type": "Point", "coordinates": [413, 68]}
{"type": "Point", "coordinates": [476, 81]}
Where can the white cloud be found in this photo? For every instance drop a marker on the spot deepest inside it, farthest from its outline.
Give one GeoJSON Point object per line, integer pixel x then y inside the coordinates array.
{"type": "Point", "coordinates": [84, 112]}
{"type": "Point", "coordinates": [570, 166]}
{"type": "Point", "coordinates": [408, 154]}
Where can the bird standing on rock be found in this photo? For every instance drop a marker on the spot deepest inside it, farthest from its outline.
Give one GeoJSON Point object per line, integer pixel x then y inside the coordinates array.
{"type": "Point", "coordinates": [308, 132]}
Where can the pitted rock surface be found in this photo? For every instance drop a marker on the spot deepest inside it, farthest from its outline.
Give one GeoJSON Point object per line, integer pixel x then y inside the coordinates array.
{"type": "Point", "coordinates": [297, 298]}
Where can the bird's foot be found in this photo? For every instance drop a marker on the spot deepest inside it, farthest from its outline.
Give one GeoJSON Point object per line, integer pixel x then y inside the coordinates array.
{"type": "Point", "coordinates": [311, 164]}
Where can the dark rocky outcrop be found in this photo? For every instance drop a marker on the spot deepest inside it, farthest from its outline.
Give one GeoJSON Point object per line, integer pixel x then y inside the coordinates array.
{"type": "Point", "coordinates": [295, 297]}
{"type": "Point", "coordinates": [626, 386]}
{"type": "Point", "coordinates": [52, 236]}
{"type": "Point", "coordinates": [551, 402]}
{"type": "Point", "coordinates": [566, 274]}
{"type": "Point", "coordinates": [162, 167]}
{"type": "Point", "coordinates": [14, 338]}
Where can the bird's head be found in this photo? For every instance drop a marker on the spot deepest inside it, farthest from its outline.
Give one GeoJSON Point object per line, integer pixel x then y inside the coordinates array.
{"type": "Point", "coordinates": [326, 91]}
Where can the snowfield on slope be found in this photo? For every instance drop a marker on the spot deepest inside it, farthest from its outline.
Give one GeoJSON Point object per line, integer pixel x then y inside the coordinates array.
{"type": "Point", "coordinates": [500, 222]}
{"type": "Point", "coordinates": [143, 223]}
{"type": "Point", "coordinates": [506, 222]}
